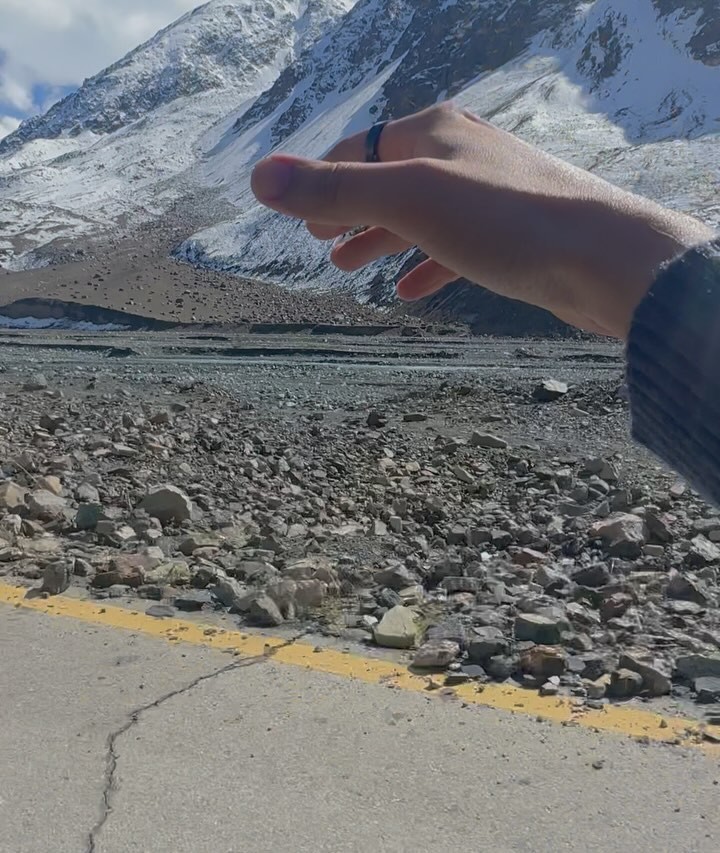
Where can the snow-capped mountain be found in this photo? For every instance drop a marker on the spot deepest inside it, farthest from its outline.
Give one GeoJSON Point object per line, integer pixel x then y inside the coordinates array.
{"type": "Point", "coordinates": [112, 148]}
{"type": "Point", "coordinates": [627, 88]}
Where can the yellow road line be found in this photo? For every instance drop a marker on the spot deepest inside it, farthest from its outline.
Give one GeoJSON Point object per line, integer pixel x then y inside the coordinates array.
{"type": "Point", "coordinates": [625, 720]}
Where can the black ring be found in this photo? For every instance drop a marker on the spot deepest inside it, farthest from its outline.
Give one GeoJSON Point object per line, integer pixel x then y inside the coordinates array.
{"type": "Point", "coordinates": [373, 141]}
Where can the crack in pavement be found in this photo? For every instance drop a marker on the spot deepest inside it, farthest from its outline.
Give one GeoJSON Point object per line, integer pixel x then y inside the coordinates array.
{"type": "Point", "coordinates": [111, 755]}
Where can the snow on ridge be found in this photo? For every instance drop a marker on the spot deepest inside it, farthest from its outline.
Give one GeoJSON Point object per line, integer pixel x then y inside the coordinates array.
{"type": "Point", "coordinates": [128, 142]}
{"type": "Point", "coordinates": [585, 89]}
{"type": "Point", "coordinates": [58, 324]}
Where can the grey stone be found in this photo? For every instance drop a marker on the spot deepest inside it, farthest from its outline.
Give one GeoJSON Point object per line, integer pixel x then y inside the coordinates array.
{"type": "Point", "coordinates": [436, 654]}
{"type": "Point", "coordinates": [690, 667]}
{"type": "Point", "coordinates": [229, 592]}
{"type": "Point", "coordinates": [623, 533]}
{"type": "Point", "coordinates": [395, 577]}
{"type": "Point", "coordinates": [501, 666]}
{"type": "Point", "coordinates": [461, 584]}
{"type": "Point", "coordinates": [167, 503]}
{"type": "Point", "coordinates": [602, 468]}
{"type": "Point", "coordinates": [264, 612]}
{"type": "Point", "coordinates": [37, 382]}
{"type": "Point", "coordinates": [686, 588]}
{"type": "Point", "coordinates": [549, 391]}
{"type": "Point", "coordinates": [161, 611]}
{"type": "Point", "coordinates": [398, 629]}
{"type": "Point", "coordinates": [45, 506]}
{"type": "Point", "coordinates": [486, 642]}
{"type": "Point", "coordinates": [702, 553]}
{"type": "Point", "coordinates": [195, 542]}
{"type": "Point", "coordinates": [450, 629]}
{"type": "Point", "coordinates": [487, 440]}
{"type": "Point", "coordinates": [545, 630]}
{"type": "Point", "coordinates": [12, 497]}
{"type": "Point", "coordinates": [707, 689]}
{"type": "Point", "coordinates": [192, 600]}
{"type": "Point", "coordinates": [87, 493]}
{"type": "Point", "coordinates": [592, 576]}
{"type": "Point", "coordinates": [56, 577]}
{"type": "Point", "coordinates": [625, 683]}
{"type": "Point", "coordinates": [655, 673]}
{"type": "Point", "coordinates": [175, 573]}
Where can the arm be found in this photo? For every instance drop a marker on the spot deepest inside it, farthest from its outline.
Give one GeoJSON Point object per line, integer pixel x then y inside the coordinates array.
{"type": "Point", "coordinates": [488, 207]}
{"type": "Point", "coordinates": [674, 368]}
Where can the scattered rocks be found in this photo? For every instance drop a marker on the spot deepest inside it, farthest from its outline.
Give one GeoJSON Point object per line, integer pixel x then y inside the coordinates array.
{"type": "Point", "coordinates": [541, 556]}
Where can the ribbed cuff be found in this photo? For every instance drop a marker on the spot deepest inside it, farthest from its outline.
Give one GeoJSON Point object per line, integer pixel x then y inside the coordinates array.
{"type": "Point", "coordinates": [673, 356]}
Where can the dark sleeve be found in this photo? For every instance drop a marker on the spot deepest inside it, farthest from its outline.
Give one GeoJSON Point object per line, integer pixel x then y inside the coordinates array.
{"type": "Point", "coordinates": [673, 358]}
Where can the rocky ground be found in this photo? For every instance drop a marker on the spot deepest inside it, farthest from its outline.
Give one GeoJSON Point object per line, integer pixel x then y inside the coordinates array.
{"type": "Point", "coordinates": [495, 524]}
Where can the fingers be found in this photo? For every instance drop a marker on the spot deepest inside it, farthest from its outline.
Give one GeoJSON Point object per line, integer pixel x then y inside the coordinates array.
{"type": "Point", "coordinates": [427, 278]}
{"type": "Point", "coordinates": [362, 249]}
{"type": "Point", "coordinates": [327, 232]}
{"type": "Point", "coordinates": [339, 194]}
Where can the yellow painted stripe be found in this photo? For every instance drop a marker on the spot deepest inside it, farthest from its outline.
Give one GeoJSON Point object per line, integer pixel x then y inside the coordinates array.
{"type": "Point", "coordinates": [624, 720]}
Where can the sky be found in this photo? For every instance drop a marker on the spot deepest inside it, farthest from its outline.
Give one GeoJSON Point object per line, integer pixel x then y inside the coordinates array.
{"type": "Point", "coordinates": [48, 47]}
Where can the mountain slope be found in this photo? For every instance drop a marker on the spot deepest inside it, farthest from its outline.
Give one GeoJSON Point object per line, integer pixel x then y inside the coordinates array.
{"type": "Point", "coordinates": [631, 91]}
{"type": "Point", "coordinates": [110, 149]}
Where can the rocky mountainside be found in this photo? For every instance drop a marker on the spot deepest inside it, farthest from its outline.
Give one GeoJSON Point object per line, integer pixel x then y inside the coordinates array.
{"type": "Point", "coordinates": [629, 90]}
{"type": "Point", "coordinates": [110, 149]}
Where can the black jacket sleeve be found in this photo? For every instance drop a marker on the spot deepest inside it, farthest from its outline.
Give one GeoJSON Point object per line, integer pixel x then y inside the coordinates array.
{"type": "Point", "coordinates": [674, 368]}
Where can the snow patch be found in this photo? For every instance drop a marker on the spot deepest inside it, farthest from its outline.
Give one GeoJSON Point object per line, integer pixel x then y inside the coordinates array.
{"type": "Point", "coordinates": [59, 324]}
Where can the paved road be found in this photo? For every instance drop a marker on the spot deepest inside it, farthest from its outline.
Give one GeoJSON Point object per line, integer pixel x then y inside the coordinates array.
{"type": "Point", "coordinates": [116, 742]}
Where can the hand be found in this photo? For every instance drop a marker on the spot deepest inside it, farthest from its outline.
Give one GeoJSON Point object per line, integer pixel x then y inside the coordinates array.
{"type": "Point", "coordinates": [483, 205]}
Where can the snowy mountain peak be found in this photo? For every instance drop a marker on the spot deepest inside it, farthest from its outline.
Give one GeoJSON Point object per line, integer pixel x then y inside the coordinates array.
{"type": "Point", "coordinates": [240, 44]}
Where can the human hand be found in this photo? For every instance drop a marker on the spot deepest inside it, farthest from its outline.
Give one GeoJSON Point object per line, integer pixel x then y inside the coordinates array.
{"type": "Point", "coordinates": [483, 205]}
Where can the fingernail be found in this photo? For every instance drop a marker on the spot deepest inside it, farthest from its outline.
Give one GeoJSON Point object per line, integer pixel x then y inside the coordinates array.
{"type": "Point", "coordinates": [271, 179]}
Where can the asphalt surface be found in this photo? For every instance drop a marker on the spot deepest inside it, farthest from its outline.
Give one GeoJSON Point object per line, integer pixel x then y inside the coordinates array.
{"type": "Point", "coordinates": [115, 742]}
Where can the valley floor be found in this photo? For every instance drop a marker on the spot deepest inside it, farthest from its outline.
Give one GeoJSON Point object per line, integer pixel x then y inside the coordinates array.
{"type": "Point", "coordinates": [388, 491]}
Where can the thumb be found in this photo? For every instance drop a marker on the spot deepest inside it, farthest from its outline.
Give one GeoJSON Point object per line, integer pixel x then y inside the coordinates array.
{"type": "Point", "coordinates": [345, 194]}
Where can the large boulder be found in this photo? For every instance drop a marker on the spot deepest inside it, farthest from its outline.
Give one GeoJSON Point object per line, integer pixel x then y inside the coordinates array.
{"type": "Point", "coordinates": [167, 503]}
{"type": "Point", "coordinates": [398, 629]}
{"type": "Point", "coordinates": [624, 534]}
{"type": "Point", "coordinates": [12, 497]}
{"type": "Point", "coordinates": [45, 506]}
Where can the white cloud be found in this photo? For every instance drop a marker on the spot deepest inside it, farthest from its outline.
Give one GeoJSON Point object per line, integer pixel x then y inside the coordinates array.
{"type": "Point", "coordinates": [58, 43]}
{"type": "Point", "coordinates": [7, 125]}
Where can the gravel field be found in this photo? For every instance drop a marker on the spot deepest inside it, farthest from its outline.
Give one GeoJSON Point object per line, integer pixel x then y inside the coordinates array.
{"type": "Point", "coordinates": [474, 503]}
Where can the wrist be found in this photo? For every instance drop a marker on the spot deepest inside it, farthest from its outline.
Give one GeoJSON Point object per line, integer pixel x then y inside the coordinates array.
{"type": "Point", "coordinates": [621, 248]}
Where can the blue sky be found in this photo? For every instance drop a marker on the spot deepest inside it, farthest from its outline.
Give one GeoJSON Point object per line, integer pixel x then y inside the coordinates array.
{"type": "Point", "coordinates": [48, 47]}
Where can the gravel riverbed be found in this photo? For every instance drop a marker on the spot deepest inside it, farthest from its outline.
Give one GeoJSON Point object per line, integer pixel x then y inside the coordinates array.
{"type": "Point", "coordinates": [475, 503]}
